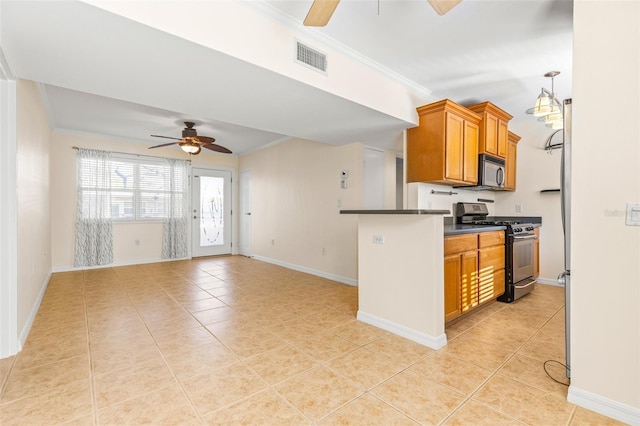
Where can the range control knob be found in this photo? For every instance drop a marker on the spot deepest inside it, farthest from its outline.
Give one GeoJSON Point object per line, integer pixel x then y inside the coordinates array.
{"type": "Point", "coordinates": [529, 228]}
{"type": "Point", "coordinates": [518, 229]}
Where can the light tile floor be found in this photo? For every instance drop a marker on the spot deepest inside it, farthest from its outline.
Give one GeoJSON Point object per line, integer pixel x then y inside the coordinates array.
{"type": "Point", "coordinates": [231, 340]}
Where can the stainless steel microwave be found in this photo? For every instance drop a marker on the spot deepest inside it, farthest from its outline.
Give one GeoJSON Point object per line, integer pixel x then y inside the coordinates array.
{"type": "Point", "coordinates": [490, 173]}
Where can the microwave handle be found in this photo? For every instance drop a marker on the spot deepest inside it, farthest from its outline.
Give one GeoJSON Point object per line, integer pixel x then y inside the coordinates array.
{"type": "Point", "coordinates": [500, 176]}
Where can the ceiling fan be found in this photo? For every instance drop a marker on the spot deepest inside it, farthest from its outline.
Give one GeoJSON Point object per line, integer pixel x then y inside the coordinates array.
{"type": "Point", "coordinates": [321, 10]}
{"type": "Point", "coordinates": [191, 142]}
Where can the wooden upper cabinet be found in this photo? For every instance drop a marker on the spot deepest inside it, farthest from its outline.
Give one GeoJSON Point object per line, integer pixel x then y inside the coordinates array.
{"type": "Point", "coordinates": [470, 150]}
{"type": "Point", "coordinates": [511, 163]}
{"type": "Point", "coordinates": [444, 147]}
{"type": "Point", "coordinates": [494, 127]}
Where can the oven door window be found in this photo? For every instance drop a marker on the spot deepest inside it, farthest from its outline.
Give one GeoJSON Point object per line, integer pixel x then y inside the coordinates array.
{"type": "Point", "coordinates": [522, 259]}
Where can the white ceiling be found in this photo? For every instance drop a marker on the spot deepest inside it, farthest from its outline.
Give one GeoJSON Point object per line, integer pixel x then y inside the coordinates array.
{"type": "Point", "coordinates": [107, 75]}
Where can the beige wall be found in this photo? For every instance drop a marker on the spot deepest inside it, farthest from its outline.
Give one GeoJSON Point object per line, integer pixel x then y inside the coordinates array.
{"type": "Point", "coordinates": [295, 205]}
{"type": "Point", "coordinates": [63, 199]}
{"type": "Point", "coordinates": [605, 270]}
{"type": "Point", "coordinates": [538, 170]}
{"type": "Point", "coordinates": [34, 224]}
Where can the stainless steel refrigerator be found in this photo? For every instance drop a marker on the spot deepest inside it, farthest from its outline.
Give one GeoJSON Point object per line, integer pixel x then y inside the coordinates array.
{"type": "Point", "coordinates": [565, 189]}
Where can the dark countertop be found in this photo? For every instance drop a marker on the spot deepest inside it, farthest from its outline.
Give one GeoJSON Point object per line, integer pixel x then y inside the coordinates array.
{"type": "Point", "coordinates": [455, 229]}
{"type": "Point", "coordinates": [451, 228]}
{"type": "Point", "coordinates": [402, 211]}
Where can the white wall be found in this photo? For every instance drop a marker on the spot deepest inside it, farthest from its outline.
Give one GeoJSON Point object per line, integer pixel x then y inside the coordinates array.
{"type": "Point", "coordinates": [34, 223]}
{"type": "Point", "coordinates": [296, 202]}
{"type": "Point", "coordinates": [537, 169]}
{"type": "Point", "coordinates": [63, 199]}
{"type": "Point", "coordinates": [420, 197]}
{"type": "Point", "coordinates": [605, 269]}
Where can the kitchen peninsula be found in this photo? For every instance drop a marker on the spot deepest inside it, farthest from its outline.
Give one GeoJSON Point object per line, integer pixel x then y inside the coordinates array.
{"type": "Point", "coordinates": [401, 272]}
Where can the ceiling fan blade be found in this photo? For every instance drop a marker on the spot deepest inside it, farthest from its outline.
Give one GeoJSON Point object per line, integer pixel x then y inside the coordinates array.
{"type": "Point", "coordinates": [217, 148]}
{"type": "Point", "coordinates": [443, 6]}
{"type": "Point", "coordinates": [204, 139]}
{"type": "Point", "coordinates": [164, 144]}
{"type": "Point", "coordinates": [166, 137]}
{"type": "Point", "coordinates": [320, 12]}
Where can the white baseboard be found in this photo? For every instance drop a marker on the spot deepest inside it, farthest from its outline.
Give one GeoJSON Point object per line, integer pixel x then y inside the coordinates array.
{"type": "Point", "coordinates": [115, 265]}
{"type": "Point", "coordinates": [32, 315]}
{"type": "Point", "coordinates": [316, 272]}
{"type": "Point", "coordinates": [434, 342]}
{"type": "Point", "coordinates": [610, 408]}
{"type": "Point", "coordinates": [549, 281]}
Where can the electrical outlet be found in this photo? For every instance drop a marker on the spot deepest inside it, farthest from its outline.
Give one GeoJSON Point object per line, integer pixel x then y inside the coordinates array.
{"type": "Point", "coordinates": [273, 242]}
{"type": "Point", "coordinates": [137, 242]}
{"type": "Point", "coordinates": [324, 251]}
{"type": "Point", "coordinates": [518, 208]}
{"type": "Point", "coordinates": [378, 239]}
{"type": "Point", "coordinates": [343, 184]}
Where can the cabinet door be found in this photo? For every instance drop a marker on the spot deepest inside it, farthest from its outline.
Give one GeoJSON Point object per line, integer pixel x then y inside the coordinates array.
{"type": "Point", "coordinates": [469, 281]}
{"type": "Point", "coordinates": [503, 131]}
{"type": "Point", "coordinates": [536, 258]}
{"type": "Point", "coordinates": [452, 273]}
{"type": "Point", "coordinates": [470, 150]}
{"type": "Point", "coordinates": [491, 259]}
{"type": "Point", "coordinates": [454, 147]}
{"type": "Point", "coordinates": [511, 165]}
{"type": "Point", "coordinates": [491, 134]}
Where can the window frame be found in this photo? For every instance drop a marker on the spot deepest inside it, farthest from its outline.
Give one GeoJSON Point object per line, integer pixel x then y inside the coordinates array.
{"type": "Point", "coordinates": [137, 191]}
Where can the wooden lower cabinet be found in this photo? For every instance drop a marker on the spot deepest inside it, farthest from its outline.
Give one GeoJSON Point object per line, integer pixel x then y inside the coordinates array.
{"type": "Point", "coordinates": [469, 281]}
{"type": "Point", "coordinates": [452, 268]}
{"type": "Point", "coordinates": [473, 271]}
{"type": "Point", "coordinates": [536, 254]}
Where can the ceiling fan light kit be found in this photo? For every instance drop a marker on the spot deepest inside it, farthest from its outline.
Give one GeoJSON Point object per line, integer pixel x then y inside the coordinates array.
{"type": "Point", "coordinates": [191, 143]}
{"type": "Point", "coordinates": [190, 148]}
{"type": "Point", "coordinates": [547, 106]}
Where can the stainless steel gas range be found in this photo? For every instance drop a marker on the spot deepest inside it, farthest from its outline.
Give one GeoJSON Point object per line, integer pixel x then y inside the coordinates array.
{"type": "Point", "coordinates": [519, 247]}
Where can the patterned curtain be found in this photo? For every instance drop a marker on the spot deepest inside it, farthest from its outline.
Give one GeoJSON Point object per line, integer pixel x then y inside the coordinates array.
{"type": "Point", "coordinates": [94, 228]}
{"type": "Point", "coordinates": [175, 237]}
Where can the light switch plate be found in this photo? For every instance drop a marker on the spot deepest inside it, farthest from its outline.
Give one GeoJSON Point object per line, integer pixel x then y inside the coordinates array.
{"type": "Point", "coordinates": [633, 214]}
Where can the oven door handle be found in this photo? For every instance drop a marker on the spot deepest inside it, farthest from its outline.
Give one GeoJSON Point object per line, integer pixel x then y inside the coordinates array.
{"type": "Point", "coordinates": [526, 285]}
{"type": "Point", "coordinates": [524, 237]}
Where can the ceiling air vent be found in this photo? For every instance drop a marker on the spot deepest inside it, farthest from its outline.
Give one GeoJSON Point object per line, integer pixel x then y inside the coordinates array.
{"type": "Point", "coordinates": [311, 57]}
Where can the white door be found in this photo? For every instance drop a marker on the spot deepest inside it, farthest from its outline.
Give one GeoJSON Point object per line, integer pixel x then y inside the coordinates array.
{"type": "Point", "coordinates": [374, 168]}
{"type": "Point", "coordinates": [244, 184]}
{"type": "Point", "coordinates": [211, 212]}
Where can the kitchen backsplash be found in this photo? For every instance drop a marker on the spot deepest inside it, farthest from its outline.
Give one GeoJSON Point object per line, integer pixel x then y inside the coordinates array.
{"type": "Point", "coordinates": [421, 197]}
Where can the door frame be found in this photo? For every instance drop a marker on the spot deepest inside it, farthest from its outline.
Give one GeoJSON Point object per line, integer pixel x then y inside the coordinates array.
{"type": "Point", "coordinates": [193, 204]}
{"type": "Point", "coordinates": [9, 340]}
{"type": "Point", "coordinates": [242, 180]}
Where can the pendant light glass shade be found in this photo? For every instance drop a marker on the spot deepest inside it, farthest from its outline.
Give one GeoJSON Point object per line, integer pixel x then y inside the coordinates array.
{"type": "Point", "coordinates": [544, 106]}
{"type": "Point", "coordinates": [555, 121]}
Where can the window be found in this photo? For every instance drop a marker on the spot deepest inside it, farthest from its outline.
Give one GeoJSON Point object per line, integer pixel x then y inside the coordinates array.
{"type": "Point", "coordinates": [140, 188]}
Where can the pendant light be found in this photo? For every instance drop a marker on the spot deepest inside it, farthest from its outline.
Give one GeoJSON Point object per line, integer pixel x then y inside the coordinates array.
{"type": "Point", "coordinates": [547, 106]}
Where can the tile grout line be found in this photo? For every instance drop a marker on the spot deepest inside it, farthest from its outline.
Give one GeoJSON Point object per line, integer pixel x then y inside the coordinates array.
{"type": "Point", "coordinates": [164, 359]}
{"type": "Point", "coordinates": [496, 372]}
{"type": "Point", "coordinates": [94, 404]}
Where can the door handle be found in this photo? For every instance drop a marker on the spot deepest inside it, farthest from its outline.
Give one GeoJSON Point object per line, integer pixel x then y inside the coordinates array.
{"type": "Point", "coordinates": [248, 214]}
{"type": "Point", "coordinates": [195, 217]}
